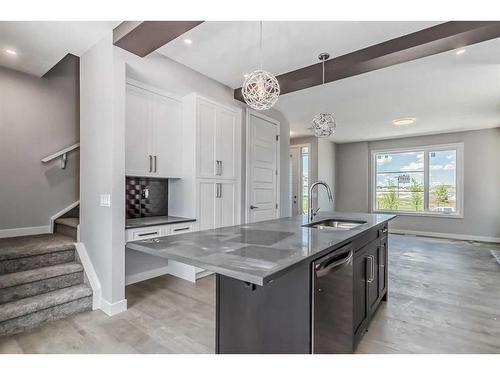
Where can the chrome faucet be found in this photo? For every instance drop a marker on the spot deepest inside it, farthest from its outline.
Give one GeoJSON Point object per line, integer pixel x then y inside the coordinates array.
{"type": "Point", "coordinates": [313, 212]}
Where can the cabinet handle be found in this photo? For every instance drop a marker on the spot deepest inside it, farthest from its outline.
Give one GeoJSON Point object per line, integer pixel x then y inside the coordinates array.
{"type": "Point", "coordinates": [217, 190]}
{"type": "Point", "coordinates": [180, 229]}
{"type": "Point", "coordinates": [150, 163]}
{"type": "Point", "coordinates": [147, 234]}
{"type": "Point", "coordinates": [372, 271]}
{"type": "Point", "coordinates": [155, 163]}
{"type": "Point", "coordinates": [218, 167]}
{"type": "Point", "coordinates": [220, 190]}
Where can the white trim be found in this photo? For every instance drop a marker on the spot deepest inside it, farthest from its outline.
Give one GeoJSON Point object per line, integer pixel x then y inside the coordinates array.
{"type": "Point", "coordinates": [90, 275]}
{"type": "Point", "coordinates": [60, 213]}
{"type": "Point", "coordinates": [453, 236]}
{"type": "Point", "coordinates": [252, 112]}
{"type": "Point", "coordinates": [113, 308]}
{"type": "Point", "coordinates": [26, 231]}
{"type": "Point", "coordinates": [458, 146]}
{"type": "Point", "coordinates": [146, 275]}
{"type": "Point", "coordinates": [309, 159]}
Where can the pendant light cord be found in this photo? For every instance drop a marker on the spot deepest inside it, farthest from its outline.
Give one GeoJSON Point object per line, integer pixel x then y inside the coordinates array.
{"type": "Point", "coordinates": [261, 54]}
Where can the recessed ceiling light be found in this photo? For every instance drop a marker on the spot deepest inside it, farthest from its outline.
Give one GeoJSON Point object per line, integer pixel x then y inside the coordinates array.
{"type": "Point", "coordinates": [404, 121]}
{"type": "Point", "coordinates": [460, 51]}
{"type": "Point", "coordinates": [10, 52]}
{"type": "Point", "coordinates": [188, 41]}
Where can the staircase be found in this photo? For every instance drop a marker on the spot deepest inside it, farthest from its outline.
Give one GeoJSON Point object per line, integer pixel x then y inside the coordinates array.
{"type": "Point", "coordinates": [41, 278]}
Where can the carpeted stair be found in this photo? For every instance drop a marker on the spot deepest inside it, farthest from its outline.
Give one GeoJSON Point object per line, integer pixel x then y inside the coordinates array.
{"type": "Point", "coordinates": [41, 279]}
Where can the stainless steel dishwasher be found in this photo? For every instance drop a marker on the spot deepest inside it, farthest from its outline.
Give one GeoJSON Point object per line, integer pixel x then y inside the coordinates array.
{"type": "Point", "coordinates": [332, 304]}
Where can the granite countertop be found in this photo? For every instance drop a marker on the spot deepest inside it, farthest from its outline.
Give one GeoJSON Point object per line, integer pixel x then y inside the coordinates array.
{"type": "Point", "coordinates": [260, 252]}
{"type": "Point", "coordinates": [155, 220]}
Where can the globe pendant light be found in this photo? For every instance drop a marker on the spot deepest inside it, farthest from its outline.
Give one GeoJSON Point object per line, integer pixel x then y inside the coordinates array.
{"type": "Point", "coordinates": [261, 88]}
{"type": "Point", "coordinates": [323, 124]}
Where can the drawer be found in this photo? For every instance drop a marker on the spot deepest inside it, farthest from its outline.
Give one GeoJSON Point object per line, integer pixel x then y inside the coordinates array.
{"type": "Point", "coordinates": [180, 228]}
{"type": "Point", "coordinates": [143, 233]}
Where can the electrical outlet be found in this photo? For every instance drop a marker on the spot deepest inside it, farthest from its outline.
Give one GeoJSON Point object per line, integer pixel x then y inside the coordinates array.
{"type": "Point", "coordinates": [105, 200]}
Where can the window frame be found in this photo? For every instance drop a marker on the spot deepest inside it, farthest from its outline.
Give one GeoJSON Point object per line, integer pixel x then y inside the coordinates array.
{"type": "Point", "coordinates": [459, 147]}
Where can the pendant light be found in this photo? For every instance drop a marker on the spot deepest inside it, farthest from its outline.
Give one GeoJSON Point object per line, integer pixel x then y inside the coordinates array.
{"type": "Point", "coordinates": [261, 88]}
{"type": "Point", "coordinates": [323, 124]}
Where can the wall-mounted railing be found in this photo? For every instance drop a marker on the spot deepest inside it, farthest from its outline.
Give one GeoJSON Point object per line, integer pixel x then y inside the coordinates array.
{"type": "Point", "coordinates": [63, 154]}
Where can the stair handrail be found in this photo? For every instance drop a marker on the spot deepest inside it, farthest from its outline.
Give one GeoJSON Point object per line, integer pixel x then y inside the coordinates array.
{"type": "Point", "coordinates": [62, 153]}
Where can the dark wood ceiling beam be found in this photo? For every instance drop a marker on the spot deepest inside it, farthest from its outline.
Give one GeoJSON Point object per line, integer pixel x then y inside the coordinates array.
{"type": "Point", "coordinates": [433, 40]}
{"type": "Point", "coordinates": [143, 37]}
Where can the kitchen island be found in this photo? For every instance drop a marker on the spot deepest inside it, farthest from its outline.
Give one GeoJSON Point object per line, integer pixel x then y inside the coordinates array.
{"type": "Point", "coordinates": [275, 286]}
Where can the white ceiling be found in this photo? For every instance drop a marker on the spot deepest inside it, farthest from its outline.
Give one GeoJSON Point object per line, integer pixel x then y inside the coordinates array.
{"type": "Point", "coordinates": [41, 44]}
{"type": "Point", "coordinates": [226, 50]}
{"type": "Point", "coordinates": [445, 92]}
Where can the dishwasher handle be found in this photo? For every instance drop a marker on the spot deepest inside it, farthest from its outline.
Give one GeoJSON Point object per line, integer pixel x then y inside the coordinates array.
{"type": "Point", "coordinates": [325, 267]}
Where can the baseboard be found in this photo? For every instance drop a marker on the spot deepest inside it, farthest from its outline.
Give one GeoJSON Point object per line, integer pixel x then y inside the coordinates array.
{"type": "Point", "coordinates": [452, 236]}
{"type": "Point", "coordinates": [113, 308]}
{"type": "Point", "coordinates": [26, 231]}
{"type": "Point", "coordinates": [90, 275]}
{"type": "Point", "coordinates": [146, 275]}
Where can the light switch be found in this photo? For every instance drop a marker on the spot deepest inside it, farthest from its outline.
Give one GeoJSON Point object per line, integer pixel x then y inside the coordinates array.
{"type": "Point", "coordinates": [105, 200]}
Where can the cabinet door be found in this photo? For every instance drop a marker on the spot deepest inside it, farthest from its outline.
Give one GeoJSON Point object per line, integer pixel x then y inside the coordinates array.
{"type": "Point", "coordinates": [206, 139]}
{"type": "Point", "coordinates": [360, 291]}
{"type": "Point", "coordinates": [227, 214]}
{"type": "Point", "coordinates": [208, 205]}
{"type": "Point", "coordinates": [167, 136]}
{"type": "Point", "coordinates": [373, 262]}
{"type": "Point", "coordinates": [227, 143]}
{"type": "Point", "coordinates": [138, 127]}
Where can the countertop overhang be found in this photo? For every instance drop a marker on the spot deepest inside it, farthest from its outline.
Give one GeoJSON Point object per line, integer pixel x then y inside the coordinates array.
{"type": "Point", "coordinates": [149, 221]}
{"type": "Point", "coordinates": [260, 252]}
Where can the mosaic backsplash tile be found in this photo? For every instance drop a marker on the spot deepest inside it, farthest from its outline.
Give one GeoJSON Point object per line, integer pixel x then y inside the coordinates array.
{"type": "Point", "coordinates": [136, 202]}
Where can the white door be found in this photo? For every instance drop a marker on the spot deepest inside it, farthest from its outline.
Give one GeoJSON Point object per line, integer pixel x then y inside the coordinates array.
{"type": "Point", "coordinates": [262, 167]}
{"type": "Point", "coordinates": [206, 128]}
{"type": "Point", "coordinates": [294, 179]}
{"type": "Point", "coordinates": [227, 144]}
{"type": "Point", "coordinates": [208, 205]}
{"type": "Point", "coordinates": [138, 156]}
{"type": "Point", "coordinates": [167, 135]}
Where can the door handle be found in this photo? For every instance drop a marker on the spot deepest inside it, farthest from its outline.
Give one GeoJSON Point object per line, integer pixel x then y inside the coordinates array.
{"type": "Point", "coordinates": [252, 207]}
{"type": "Point", "coordinates": [150, 163]}
{"type": "Point", "coordinates": [155, 164]}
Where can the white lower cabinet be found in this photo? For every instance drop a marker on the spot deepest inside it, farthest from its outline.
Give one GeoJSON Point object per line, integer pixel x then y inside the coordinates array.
{"type": "Point", "coordinates": [217, 204]}
{"type": "Point", "coordinates": [140, 266]}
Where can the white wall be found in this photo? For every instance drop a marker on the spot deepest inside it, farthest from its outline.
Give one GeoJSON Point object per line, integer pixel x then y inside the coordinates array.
{"type": "Point", "coordinates": [326, 172]}
{"type": "Point", "coordinates": [481, 182]}
{"type": "Point", "coordinates": [102, 165]}
{"type": "Point", "coordinates": [38, 116]}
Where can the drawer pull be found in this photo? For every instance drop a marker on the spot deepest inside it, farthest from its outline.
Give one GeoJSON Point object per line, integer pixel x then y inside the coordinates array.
{"type": "Point", "coordinates": [180, 229]}
{"type": "Point", "coordinates": [147, 234]}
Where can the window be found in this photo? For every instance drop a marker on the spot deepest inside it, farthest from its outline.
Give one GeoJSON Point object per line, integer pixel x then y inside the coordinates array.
{"type": "Point", "coordinates": [419, 181]}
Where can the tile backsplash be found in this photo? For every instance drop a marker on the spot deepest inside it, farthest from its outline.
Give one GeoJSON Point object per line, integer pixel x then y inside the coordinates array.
{"type": "Point", "coordinates": [136, 202]}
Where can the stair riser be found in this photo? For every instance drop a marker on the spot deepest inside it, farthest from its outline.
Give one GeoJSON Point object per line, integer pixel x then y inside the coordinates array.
{"type": "Point", "coordinates": [26, 322]}
{"type": "Point", "coordinates": [38, 287]}
{"type": "Point", "coordinates": [29, 263]}
{"type": "Point", "coordinates": [65, 230]}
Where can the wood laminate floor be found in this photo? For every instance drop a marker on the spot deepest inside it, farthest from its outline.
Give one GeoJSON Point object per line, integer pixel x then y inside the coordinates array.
{"type": "Point", "coordinates": [444, 297]}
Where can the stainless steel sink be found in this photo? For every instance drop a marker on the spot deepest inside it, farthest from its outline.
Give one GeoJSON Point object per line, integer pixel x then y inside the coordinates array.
{"type": "Point", "coordinates": [335, 224]}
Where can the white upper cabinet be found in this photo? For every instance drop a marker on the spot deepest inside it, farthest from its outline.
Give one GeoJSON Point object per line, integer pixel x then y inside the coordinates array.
{"type": "Point", "coordinates": [153, 134]}
{"type": "Point", "coordinates": [218, 135]}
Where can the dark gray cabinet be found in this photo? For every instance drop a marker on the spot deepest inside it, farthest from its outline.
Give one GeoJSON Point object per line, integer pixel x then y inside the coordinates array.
{"type": "Point", "coordinates": [369, 281]}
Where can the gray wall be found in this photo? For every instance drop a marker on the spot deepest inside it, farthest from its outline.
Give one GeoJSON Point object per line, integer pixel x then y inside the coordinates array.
{"type": "Point", "coordinates": [481, 182]}
{"type": "Point", "coordinates": [38, 116]}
